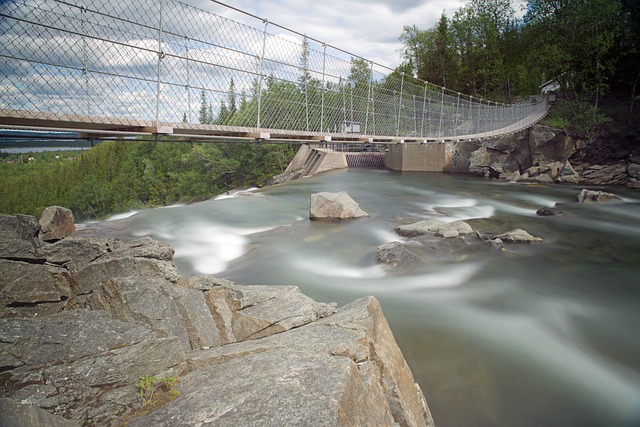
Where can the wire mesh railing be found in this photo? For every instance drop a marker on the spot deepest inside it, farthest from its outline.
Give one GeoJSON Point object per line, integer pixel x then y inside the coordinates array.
{"type": "Point", "coordinates": [167, 62]}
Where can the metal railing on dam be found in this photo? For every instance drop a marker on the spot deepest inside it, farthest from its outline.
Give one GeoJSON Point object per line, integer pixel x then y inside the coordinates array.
{"type": "Point", "coordinates": [163, 67]}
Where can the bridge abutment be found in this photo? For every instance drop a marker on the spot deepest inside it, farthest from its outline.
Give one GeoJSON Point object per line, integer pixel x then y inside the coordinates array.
{"type": "Point", "coordinates": [429, 157]}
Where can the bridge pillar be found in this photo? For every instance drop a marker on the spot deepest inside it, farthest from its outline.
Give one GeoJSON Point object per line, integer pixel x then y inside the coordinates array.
{"type": "Point", "coordinates": [429, 157]}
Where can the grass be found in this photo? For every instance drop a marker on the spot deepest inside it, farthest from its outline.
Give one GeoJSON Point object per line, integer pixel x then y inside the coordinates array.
{"type": "Point", "coordinates": [154, 392]}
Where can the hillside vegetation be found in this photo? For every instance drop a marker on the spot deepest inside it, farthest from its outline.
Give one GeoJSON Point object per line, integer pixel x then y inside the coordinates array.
{"type": "Point", "coordinates": [590, 47]}
{"type": "Point", "coordinates": [120, 176]}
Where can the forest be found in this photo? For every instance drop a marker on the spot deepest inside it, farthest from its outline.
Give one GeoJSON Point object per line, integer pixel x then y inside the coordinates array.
{"type": "Point", "coordinates": [590, 47]}
{"type": "Point", "coordinates": [486, 49]}
{"type": "Point", "coordinates": [118, 176]}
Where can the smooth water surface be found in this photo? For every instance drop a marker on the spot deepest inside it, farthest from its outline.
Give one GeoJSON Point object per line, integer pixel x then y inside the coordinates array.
{"type": "Point", "coordinates": [542, 335]}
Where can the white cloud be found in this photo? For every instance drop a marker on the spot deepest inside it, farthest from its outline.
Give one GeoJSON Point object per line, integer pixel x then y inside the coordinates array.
{"type": "Point", "coordinates": [369, 29]}
{"type": "Point", "coordinates": [217, 48]}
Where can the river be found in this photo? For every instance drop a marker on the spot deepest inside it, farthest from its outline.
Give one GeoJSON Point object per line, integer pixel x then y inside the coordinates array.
{"type": "Point", "coordinates": [541, 335]}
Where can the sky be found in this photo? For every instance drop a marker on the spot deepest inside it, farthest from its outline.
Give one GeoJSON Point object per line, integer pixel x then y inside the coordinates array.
{"type": "Point", "coordinates": [368, 28]}
{"type": "Point", "coordinates": [120, 57]}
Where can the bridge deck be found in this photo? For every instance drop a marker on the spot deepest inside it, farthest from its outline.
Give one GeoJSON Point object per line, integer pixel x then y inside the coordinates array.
{"type": "Point", "coordinates": [96, 128]}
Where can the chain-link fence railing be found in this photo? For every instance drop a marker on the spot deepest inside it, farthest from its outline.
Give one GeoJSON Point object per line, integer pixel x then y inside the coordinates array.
{"type": "Point", "coordinates": [166, 62]}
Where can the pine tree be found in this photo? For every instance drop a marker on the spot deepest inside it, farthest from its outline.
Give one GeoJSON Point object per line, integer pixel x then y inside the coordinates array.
{"type": "Point", "coordinates": [305, 76]}
{"type": "Point", "coordinates": [203, 108]}
{"type": "Point", "coordinates": [232, 99]}
{"type": "Point", "coordinates": [223, 116]}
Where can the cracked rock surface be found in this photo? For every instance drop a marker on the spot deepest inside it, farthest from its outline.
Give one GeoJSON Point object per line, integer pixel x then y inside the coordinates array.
{"type": "Point", "coordinates": [81, 320]}
{"type": "Point", "coordinates": [342, 370]}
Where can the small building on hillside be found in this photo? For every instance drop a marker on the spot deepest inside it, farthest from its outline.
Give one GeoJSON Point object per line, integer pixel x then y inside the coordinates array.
{"type": "Point", "coordinates": [347, 126]}
{"type": "Point", "coordinates": [550, 86]}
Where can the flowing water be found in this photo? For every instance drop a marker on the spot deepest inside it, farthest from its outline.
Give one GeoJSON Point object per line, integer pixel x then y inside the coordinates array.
{"type": "Point", "coordinates": [542, 335]}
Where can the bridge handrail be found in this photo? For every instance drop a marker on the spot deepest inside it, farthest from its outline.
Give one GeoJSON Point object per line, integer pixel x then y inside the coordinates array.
{"type": "Point", "coordinates": [161, 62]}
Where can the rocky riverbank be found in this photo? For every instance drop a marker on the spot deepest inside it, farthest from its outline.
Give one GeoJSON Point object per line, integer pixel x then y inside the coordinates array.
{"type": "Point", "coordinates": [546, 155]}
{"type": "Point", "coordinates": [102, 332]}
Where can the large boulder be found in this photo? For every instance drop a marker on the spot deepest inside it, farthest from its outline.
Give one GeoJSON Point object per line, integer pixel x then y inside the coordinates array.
{"type": "Point", "coordinates": [334, 206]}
{"type": "Point", "coordinates": [505, 155]}
{"type": "Point", "coordinates": [342, 370]}
{"type": "Point", "coordinates": [57, 223]}
{"type": "Point", "coordinates": [492, 162]}
{"type": "Point", "coordinates": [549, 144]}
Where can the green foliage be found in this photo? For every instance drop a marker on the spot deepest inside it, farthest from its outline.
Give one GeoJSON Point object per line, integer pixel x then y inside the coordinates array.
{"type": "Point", "coordinates": [580, 119]}
{"type": "Point", "coordinates": [555, 122]}
{"type": "Point", "coordinates": [120, 176]}
{"type": "Point", "coordinates": [589, 46]}
{"type": "Point", "coordinates": [148, 385]}
{"type": "Point", "coordinates": [586, 120]}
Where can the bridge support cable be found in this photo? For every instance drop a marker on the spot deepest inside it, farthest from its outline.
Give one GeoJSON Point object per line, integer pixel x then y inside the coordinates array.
{"type": "Point", "coordinates": [146, 66]}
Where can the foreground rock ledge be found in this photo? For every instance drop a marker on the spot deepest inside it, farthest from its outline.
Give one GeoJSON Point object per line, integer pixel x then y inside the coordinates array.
{"type": "Point", "coordinates": [81, 320]}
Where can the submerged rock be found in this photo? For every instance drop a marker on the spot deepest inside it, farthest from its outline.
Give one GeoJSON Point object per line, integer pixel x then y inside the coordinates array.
{"type": "Point", "coordinates": [591, 196]}
{"type": "Point", "coordinates": [439, 228]}
{"type": "Point", "coordinates": [549, 212]}
{"type": "Point", "coordinates": [517, 236]}
{"type": "Point", "coordinates": [397, 256]}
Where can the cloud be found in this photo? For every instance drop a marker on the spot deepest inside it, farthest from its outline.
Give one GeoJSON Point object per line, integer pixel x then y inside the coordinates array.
{"type": "Point", "coordinates": [204, 45]}
{"type": "Point", "coordinates": [369, 29]}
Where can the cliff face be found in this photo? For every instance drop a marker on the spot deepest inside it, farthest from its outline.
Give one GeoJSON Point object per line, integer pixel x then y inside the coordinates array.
{"type": "Point", "coordinates": [546, 155]}
{"type": "Point", "coordinates": [82, 320]}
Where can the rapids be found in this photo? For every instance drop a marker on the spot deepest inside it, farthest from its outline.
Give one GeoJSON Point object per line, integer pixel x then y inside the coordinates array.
{"type": "Point", "coordinates": [542, 335]}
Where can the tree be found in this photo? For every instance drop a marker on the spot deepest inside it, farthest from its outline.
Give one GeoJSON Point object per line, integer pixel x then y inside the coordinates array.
{"type": "Point", "coordinates": [204, 117]}
{"type": "Point", "coordinates": [305, 75]}
{"type": "Point", "coordinates": [223, 114]}
{"type": "Point", "coordinates": [575, 40]}
{"type": "Point", "coordinates": [417, 50]}
{"type": "Point", "coordinates": [579, 34]}
{"type": "Point", "coordinates": [443, 54]}
{"type": "Point", "coordinates": [233, 108]}
{"type": "Point", "coordinates": [480, 27]}
{"type": "Point", "coordinates": [210, 114]}
{"type": "Point", "coordinates": [628, 52]}
{"type": "Point", "coordinates": [466, 53]}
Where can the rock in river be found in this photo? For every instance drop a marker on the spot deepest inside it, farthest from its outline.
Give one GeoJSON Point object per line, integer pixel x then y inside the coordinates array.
{"type": "Point", "coordinates": [334, 206]}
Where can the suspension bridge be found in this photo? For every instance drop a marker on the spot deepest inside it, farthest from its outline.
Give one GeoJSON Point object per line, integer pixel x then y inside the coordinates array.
{"type": "Point", "coordinates": [146, 69]}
